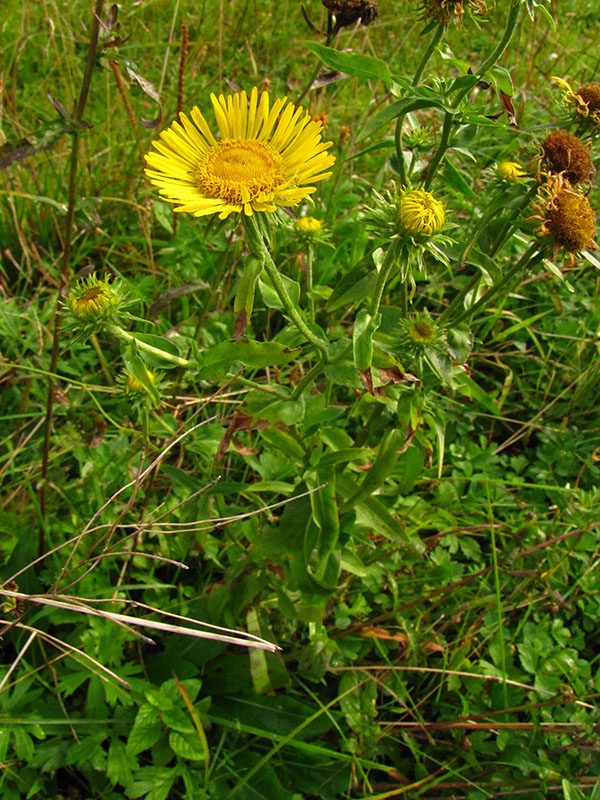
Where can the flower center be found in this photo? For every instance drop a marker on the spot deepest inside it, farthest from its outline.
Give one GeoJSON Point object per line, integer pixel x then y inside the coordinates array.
{"type": "Point", "coordinates": [421, 331]}
{"type": "Point", "coordinates": [239, 171]}
{"type": "Point", "coordinates": [91, 300]}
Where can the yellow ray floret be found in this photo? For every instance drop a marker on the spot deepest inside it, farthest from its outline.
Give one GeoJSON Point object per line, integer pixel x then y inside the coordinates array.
{"type": "Point", "coordinates": [265, 156]}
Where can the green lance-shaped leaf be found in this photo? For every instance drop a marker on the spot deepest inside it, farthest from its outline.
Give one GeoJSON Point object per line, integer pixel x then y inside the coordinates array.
{"type": "Point", "coordinates": [321, 538]}
{"type": "Point", "coordinates": [269, 294]}
{"type": "Point", "coordinates": [356, 64]}
{"type": "Point", "coordinates": [257, 355]}
{"type": "Point", "coordinates": [389, 450]}
{"type": "Point", "coordinates": [353, 287]}
{"type": "Point", "coordinates": [398, 109]}
{"type": "Point", "coordinates": [244, 296]}
{"type": "Point", "coordinates": [138, 370]}
{"type": "Point", "coordinates": [365, 326]}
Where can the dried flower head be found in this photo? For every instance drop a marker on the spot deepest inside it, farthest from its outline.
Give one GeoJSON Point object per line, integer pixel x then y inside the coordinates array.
{"type": "Point", "coordinates": [266, 156]}
{"type": "Point", "coordinates": [321, 118]}
{"type": "Point", "coordinates": [586, 99]}
{"type": "Point", "coordinates": [572, 221]}
{"type": "Point", "coordinates": [444, 11]}
{"type": "Point", "coordinates": [510, 171]}
{"type": "Point", "coordinates": [420, 214]}
{"type": "Point", "coordinates": [568, 217]}
{"type": "Point", "coordinates": [565, 153]}
{"type": "Point", "coordinates": [348, 12]}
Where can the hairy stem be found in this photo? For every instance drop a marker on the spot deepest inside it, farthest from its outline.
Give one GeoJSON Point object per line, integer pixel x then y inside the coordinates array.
{"type": "Point", "coordinates": [257, 245]}
{"type": "Point", "coordinates": [125, 336]}
{"type": "Point", "coordinates": [66, 259]}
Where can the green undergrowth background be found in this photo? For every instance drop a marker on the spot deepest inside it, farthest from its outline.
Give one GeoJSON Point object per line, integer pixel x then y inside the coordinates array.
{"type": "Point", "coordinates": [424, 555]}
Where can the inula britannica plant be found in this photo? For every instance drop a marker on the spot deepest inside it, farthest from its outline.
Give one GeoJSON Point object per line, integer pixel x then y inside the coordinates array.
{"type": "Point", "coordinates": [299, 365]}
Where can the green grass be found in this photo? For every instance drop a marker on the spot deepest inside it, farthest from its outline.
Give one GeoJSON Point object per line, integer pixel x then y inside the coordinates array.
{"type": "Point", "coordinates": [414, 528]}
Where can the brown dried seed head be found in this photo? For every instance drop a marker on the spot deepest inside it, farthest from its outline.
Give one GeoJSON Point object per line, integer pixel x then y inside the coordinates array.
{"type": "Point", "coordinates": [347, 12]}
{"type": "Point", "coordinates": [590, 94]}
{"type": "Point", "coordinates": [565, 152]}
{"type": "Point", "coordinates": [572, 221]}
{"type": "Point", "coordinates": [443, 11]}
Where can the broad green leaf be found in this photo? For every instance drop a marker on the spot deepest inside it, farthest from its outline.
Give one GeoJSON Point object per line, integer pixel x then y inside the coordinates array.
{"type": "Point", "coordinates": [356, 64]}
{"type": "Point", "coordinates": [153, 783]}
{"type": "Point", "coordinates": [146, 730]}
{"type": "Point", "coordinates": [121, 763]}
{"type": "Point", "coordinates": [362, 338]}
{"type": "Point", "coordinates": [384, 463]}
{"type": "Point", "coordinates": [270, 296]}
{"type": "Point", "coordinates": [219, 359]}
{"type": "Point", "coordinates": [187, 746]}
{"type": "Point", "coordinates": [502, 80]}
{"type": "Point", "coordinates": [244, 296]}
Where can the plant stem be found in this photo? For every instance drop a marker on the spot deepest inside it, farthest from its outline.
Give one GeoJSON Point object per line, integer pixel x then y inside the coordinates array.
{"type": "Point", "coordinates": [261, 387]}
{"type": "Point", "coordinates": [435, 40]}
{"type": "Point", "coordinates": [66, 259]}
{"type": "Point", "coordinates": [502, 236]}
{"type": "Point", "coordinates": [257, 245]}
{"type": "Point", "coordinates": [308, 378]}
{"type": "Point", "coordinates": [531, 257]}
{"type": "Point", "coordinates": [399, 150]}
{"type": "Point", "coordinates": [310, 258]}
{"type": "Point", "coordinates": [125, 336]}
{"type": "Point", "coordinates": [511, 24]}
{"type": "Point", "coordinates": [442, 147]}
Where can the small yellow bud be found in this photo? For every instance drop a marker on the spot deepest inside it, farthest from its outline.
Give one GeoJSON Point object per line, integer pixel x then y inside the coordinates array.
{"type": "Point", "coordinates": [308, 225]}
{"type": "Point", "coordinates": [420, 213]}
{"type": "Point", "coordinates": [133, 386]}
{"type": "Point", "coordinates": [91, 298]}
{"type": "Point", "coordinates": [510, 171]}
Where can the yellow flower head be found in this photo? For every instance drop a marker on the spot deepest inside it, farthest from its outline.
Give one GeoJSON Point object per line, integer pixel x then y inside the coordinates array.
{"type": "Point", "coordinates": [510, 171]}
{"type": "Point", "coordinates": [266, 156]}
{"type": "Point", "coordinates": [420, 213]}
{"type": "Point", "coordinates": [92, 299]}
{"type": "Point", "coordinates": [308, 225]}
